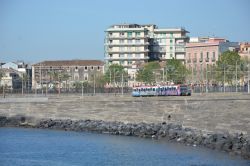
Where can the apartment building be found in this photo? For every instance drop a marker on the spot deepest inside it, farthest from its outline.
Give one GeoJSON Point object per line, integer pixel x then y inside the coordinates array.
{"type": "Point", "coordinates": [133, 44]}
{"type": "Point", "coordinates": [168, 43]}
{"type": "Point", "coordinates": [77, 70]}
{"type": "Point", "coordinates": [201, 54]}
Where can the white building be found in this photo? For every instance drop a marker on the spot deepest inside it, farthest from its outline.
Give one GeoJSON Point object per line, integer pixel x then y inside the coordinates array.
{"type": "Point", "coordinates": [130, 44]}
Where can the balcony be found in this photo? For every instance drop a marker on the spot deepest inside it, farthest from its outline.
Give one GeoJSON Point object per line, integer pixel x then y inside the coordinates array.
{"type": "Point", "coordinates": [213, 59]}
{"type": "Point", "coordinates": [126, 37]}
{"type": "Point", "coordinates": [207, 59]}
{"type": "Point", "coordinates": [126, 58]}
{"type": "Point", "coordinates": [127, 44]}
{"type": "Point", "coordinates": [126, 51]}
{"type": "Point", "coordinates": [177, 49]}
{"type": "Point", "coordinates": [201, 60]}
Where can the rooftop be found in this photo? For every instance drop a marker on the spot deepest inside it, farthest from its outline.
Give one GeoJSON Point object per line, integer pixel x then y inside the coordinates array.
{"type": "Point", "coordinates": [71, 63]}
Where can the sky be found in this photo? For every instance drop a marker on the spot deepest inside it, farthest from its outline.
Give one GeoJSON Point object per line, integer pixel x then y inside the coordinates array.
{"type": "Point", "coordinates": [37, 30]}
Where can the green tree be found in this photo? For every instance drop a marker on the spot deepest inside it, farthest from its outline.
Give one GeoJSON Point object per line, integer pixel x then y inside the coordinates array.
{"type": "Point", "coordinates": [176, 71]}
{"type": "Point", "coordinates": [226, 67]}
{"type": "Point", "coordinates": [114, 74]}
{"type": "Point", "coordinates": [56, 77]}
{"type": "Point", "coordinates": [147, 73]}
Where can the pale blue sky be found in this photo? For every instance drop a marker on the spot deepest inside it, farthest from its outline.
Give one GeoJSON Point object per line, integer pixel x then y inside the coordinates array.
{"type": "Point", "coordinates": [35, 30]}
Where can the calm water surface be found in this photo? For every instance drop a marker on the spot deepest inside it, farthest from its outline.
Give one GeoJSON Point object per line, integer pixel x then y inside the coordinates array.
{"type": "Point", "coordinates": [28, 147]}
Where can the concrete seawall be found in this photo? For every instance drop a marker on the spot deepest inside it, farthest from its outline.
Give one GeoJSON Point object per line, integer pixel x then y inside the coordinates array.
{"type": "Point", "coordinates": [216, 121]}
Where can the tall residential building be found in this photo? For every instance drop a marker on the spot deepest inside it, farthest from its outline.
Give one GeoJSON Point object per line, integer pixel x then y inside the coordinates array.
{"type": "Point", "coordinates": [133, 44]}
{"type": "Point", "coordinates": [203, 53]}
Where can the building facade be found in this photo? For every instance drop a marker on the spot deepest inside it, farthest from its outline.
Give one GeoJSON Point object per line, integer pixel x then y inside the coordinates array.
{"type": "Point", "coordinates": [10, 79]}
{"type": "Point", "coordinates": [76, 70]}
{"type": "Point", "coordinates": [19, 73]}
{"type": "Point", "coordinates": [245, 50]}
{"type": "Point", "coordinates": [131, 45]}
{"type": "Point", "coordinates": [201, 56]}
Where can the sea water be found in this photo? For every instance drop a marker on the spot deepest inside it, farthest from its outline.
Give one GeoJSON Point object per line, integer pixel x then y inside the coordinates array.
{"type": "Point", "coordinates": [28, 147]}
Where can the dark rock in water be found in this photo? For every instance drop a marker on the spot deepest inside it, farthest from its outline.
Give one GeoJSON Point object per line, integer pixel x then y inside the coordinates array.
{"type": "Point", "coordinates": [3, 121]}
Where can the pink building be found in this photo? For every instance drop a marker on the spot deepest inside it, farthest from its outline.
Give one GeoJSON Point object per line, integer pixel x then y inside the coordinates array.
{"type": "Point", "coordinates": [201, 55]}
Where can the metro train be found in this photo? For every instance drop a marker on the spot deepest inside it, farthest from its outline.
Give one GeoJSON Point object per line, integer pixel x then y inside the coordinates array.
{"type": "Point", "coordinates": [166, 90]}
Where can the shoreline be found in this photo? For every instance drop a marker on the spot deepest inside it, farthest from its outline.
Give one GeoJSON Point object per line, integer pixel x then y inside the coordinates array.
{"type": "Point", "coordinates": [236, 144]}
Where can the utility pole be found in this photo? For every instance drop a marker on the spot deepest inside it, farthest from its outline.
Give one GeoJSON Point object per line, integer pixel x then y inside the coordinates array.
{"type": "Point", "coordinates": [206, 79]}
{"type": "Point", "coordinates": [248, 80]}
{"type": "Point", "coordinates": [82, 89]}
{"type": "Point", "coordinates": [22, 83]}
{"type": "Point", "coordinates": [109, 76]}
{"type": "Point", "coordinates": [236, 81]}
{"type": "Point", "coordinates": [122, 83]}
{"type": "Point", "coordinates": [94, 84]}
{"type": "Point", "coordinates": [224, 79]}
{"type": "Point", "coordinates": [163, 72]}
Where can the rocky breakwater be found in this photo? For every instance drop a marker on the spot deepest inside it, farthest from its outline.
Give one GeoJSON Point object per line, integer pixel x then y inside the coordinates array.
{"type": "Point", "coordinates": [232, 143]}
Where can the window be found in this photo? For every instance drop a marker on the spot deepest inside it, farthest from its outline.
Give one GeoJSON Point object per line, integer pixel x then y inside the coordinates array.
{"type": "Point", "coordinates": [171, 55]}
{"type": "Point", "coordinates": [121, 34]}
{"type": "Point", "coordinates": [98, 67]}
{"type": "Point", "coordinates": [201, 55]}
{"type": "Point", "coordinates": [129, 34]}
{"type": "Point", "coordinates": [207, 55]}
{"type": "Point", "coordinates": [92, 67]}
{"type": "Point", "coordinates": [121, 41]}
{"type": "Point", "coordinates": [171, 41]}
{"type": "Point", "coordinates": [129, 41]}
{"type": "Point", "coordinates": [110, 55]}
{"type": "Point", "coordinates": [171, 48]}
{"type": "Point", "coordinates": [130, 56]}
{"type": "Point", "coordinates": [86, 68]}
{"type": "Point", "coordinates": [110, 34]}
{"type": "Point", "coordinates": [137, 34]}
{"type": "Point", "coordinates": [121, 62]}
{"type": "Point", "coordinates": [129, 62]}
{"type": "Point", "coordinates": [137, 41]}
{"type": "Point", "coordinates": [138, 48]}
{"type": "Point", "coordinates": [85, 76]}
{"type": "Point", "coordinates": [110, 41]}
{"type": "Point", "coordinates": [121, 55]}
{"type": "Point", "coordinates": [137, 55]}
{"type": "Point", "coordinates": [213, 55]}
{"type": "Point", "coordinates": [121, 48]}
{"type": "Point", "coordinates": [162, 48]}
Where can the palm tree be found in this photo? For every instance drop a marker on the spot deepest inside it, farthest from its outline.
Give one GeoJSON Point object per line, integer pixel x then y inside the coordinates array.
{"type": "Point", "coordinates": [58, 77]}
